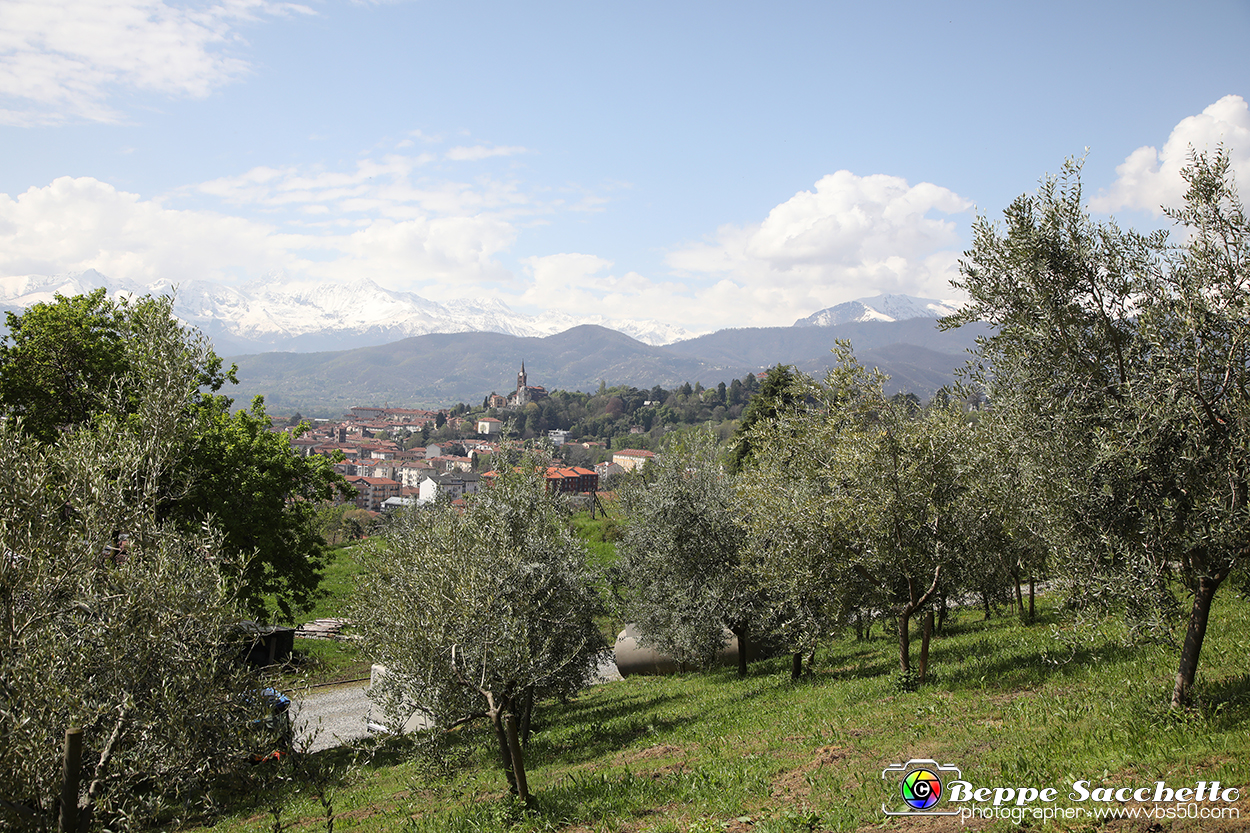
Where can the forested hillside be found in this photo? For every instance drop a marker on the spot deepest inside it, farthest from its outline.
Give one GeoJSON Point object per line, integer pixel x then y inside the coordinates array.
{"type": "Point", "coordinates": [438, 370]}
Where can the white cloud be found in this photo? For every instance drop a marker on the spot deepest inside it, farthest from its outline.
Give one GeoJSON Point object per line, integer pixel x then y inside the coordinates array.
{"type": "Point", "coordinates": [851, 236]}
{"type": "Point", "coordinates": [64, 60]}
{"type": "Point", "coordinates": [576, 284]}
{"type": "Point", "coordinates": [76, 224]}
{"type": "Point", "coordinates": [478, 152]}
{"type": "Point", "coordinates": [392, 186]}
{"type": "Point", "coordinates": [1150, 179]}
{"type": "Point", "coordinates": [391, 220]}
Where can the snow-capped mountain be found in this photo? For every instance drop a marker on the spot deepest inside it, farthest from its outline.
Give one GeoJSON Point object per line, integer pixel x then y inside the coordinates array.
{"type": "Point", "coordinates": [281, 313]}
{"type": "Point", "coordinates": [879, 308]}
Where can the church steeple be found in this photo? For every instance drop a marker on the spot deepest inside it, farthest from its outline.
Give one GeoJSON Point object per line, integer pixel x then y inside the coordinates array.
{"type": "Point", "coordinates": [520, 379]}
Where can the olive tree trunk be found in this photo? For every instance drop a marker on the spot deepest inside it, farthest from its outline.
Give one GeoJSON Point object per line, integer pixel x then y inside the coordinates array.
{"type": "Point", "coordinates": [1204, 593]}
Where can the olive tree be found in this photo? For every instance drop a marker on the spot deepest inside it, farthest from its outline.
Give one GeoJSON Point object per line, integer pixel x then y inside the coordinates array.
{"type": "Point", "coordinates": [681, 571]}
{"type": "Point", "coordinates": [112, 620]}
{"type": "Point", "coordinates": [855, 503]}
{"type": "Point", "coordinates": [479, 611]}
{"type": "Point", "coordinates": [1125, 364]}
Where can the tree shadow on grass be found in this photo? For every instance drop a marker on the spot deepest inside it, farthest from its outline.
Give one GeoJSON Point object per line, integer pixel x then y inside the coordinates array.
{"type": "Point", "coordinates": [1225, 703]}
{"type": "Point", "coordinates": [958, 666]}
{"type": "Point", "coordinates": [970, 621]}
{"type": "Point", "coordinates": [588, 728]}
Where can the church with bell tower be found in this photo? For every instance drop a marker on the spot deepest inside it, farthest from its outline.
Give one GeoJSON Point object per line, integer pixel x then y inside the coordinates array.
{"type": "Point", "coordinates": [525, 392]}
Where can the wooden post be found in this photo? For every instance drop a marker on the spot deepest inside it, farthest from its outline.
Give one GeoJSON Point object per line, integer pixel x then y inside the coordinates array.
{"type": "Point", "coordinates": [518, 763]}
{"type": "Point", "coordinates": [70, 781]}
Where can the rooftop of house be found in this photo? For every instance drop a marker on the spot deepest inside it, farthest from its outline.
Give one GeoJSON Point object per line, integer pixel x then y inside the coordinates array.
{"type": "Point", "coordinates": [633, 452]}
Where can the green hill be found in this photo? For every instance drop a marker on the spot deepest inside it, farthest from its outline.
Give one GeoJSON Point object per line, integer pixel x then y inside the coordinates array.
{"type": "Point", "coordinates": [1010, 705]}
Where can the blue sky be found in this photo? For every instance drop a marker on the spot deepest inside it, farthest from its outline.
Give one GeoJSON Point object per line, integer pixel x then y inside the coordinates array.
{"type": "Point", "coordinates": [704, 164]}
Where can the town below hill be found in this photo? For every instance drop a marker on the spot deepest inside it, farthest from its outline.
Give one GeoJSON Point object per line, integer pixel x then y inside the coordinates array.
{"type": "Point", "coordinates": [400, 457]}
{"type": "Point", "coordinates": [397, 457]}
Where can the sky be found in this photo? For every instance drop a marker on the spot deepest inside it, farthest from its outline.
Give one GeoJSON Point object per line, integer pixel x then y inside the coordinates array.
{"type": "Point", "coordinates": [704, 164]}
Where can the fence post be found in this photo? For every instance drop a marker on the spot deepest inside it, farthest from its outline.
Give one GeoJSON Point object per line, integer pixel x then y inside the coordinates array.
{"type": "Point", "coordinates": [69, 783]}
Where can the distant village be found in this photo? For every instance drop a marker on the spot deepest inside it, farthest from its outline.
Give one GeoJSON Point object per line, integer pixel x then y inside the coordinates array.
{"type": "Point", "coordinates": [384, 454]}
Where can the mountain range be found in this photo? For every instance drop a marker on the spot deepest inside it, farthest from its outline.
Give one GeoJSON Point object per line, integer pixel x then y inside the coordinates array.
{"type": "Point", "coordinates": [322, 347]}
{"type": "Point", "coordinates": [880, 308]}
{"type": "Point", "coordinates": [444, 368]}
{"type": "Point", "coordinates": [307, 316]}
{"type": "Point", "coordinates": [279, 313]}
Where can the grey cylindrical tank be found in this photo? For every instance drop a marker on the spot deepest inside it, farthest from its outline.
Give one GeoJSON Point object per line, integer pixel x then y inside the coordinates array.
{"type": "Point", "coordinates": [632, 658]}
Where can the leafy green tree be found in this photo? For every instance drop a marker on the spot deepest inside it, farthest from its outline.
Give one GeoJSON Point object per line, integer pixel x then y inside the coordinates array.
{"type": "Point", "coordinates": [1194, 441]}
{"type": "Point", "coordinates": [111, 619]}
{"type": "Point", "coordinates": [479, 612]}
{"type": "Point", "coordinates": [230, 466]}
{"type": "Point", "coordinates": [854, 502]}
{"type": "Point", "coordinates": [776, 394]}
{"type": "Point", "coordinates": [264, 498]}
{"type": "Point", "coordinates": [1124, 365]}
{"type": "Point", "coordinates": [58, 362]}
{"type": "Point", "coordinates": [681, 556]}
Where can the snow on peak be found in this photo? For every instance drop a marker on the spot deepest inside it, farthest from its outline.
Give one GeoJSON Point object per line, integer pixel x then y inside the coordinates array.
{"type": "Point", "coordinates": [879, 308]}
{"type": "Point", "coordinates": [279, 312]}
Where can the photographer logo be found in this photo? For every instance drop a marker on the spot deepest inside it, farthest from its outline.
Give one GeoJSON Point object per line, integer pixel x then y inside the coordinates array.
{"type": "Point", "coordinates": [919, 785]}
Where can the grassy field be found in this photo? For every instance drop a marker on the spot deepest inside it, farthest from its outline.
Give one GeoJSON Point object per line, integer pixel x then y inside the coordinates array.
{"type": "Point", "coordinates": [1043, 706]}
{"type": "Point", "coordinates": [322, 662]}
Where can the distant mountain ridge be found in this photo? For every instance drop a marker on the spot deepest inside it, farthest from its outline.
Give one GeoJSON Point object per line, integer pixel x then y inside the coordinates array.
{"type": "Point", "coordinates": [279, 313]}
{"type": "Point", "coordinates": [306, 316]}
{"type": "Point", "coordinates": [445, 368]}
{"type": "Point", "coordinates": [310, 346]}
{"type": "Point", "coordinates": [879, 308]}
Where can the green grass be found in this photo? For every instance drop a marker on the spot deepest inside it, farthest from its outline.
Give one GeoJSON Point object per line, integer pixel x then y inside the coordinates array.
{"type": "Point", "coordinates": [1041, 705]}
{"type": "Point", "coordinates": [318, 662]}
{"type": "Point", "coordinates": [323, 662]}
{"type": "Point", "coordinates": [337, 585]}
{"type": "Point", "coordinates": [599, 534]}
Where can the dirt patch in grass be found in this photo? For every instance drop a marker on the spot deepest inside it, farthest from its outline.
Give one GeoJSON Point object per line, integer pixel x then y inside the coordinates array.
{"type": "Point", "coordinates": [1011, 696]}
{"type": "Point", "coordinates": [797, 782]}
{"type": "Point", "coordinates": [663, 750]}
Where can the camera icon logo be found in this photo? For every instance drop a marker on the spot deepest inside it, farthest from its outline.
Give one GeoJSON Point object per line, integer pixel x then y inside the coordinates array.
{"type": "Point", "coordinates": [920, 787]}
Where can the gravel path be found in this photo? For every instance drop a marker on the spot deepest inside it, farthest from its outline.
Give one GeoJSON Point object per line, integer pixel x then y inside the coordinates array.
{"type": "Point", "coordinates": [331, 716]}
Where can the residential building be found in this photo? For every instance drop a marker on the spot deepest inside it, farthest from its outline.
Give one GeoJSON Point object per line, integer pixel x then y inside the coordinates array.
{"type": "Point", "coordinates": [373, 491]}
{"type": "Point", "coordinates": [453, 484]}
{"type": "Point", "coordinates": [632, 458]}
{"type": "Point", "coordinates": [574, 479]}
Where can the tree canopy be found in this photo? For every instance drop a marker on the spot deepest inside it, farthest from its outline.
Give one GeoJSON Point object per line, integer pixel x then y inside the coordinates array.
{"type": "Point", "coordinates": [1124, 363]}
{"type": "Point", "coordinates": [480, 611]}
{"type": "Point", "coordinates": [67, 365]}
{"type": "Point", "coordinates": [854, 503]}
{"type": "Point", "coordinates": [682, 553]}
{"type": "Point", "coordinates": [112, 619]}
